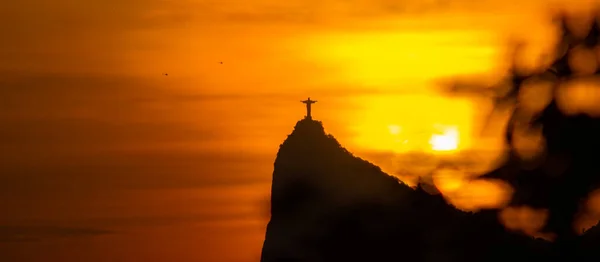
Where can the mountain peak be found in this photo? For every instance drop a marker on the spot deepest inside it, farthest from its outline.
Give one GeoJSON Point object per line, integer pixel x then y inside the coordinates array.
{"type": "Point", "coordinates": [329, 205]}
{"type": "Point", "coordinates": [309, 126]}
{"type": "Point", "coordinates": [307, 141]}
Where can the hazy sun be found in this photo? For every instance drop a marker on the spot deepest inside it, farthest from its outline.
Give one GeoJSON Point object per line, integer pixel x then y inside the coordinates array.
{"type": "Point", "coordinates": [444, 139]}
{"type": "Point", "coordinates": [420, 122]}
{"type": "Point", "coordinates": [447, 141]}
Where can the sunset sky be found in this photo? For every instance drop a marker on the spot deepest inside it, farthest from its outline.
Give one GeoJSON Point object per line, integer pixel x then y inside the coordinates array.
{"type": "Point", "coordinates": [178, 167]}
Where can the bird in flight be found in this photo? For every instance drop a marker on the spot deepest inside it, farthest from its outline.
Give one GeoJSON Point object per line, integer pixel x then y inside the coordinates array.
{"type": "Point", "coordinates": [221, 62]}
{"type": "Point", "coordinates": [165, 74]}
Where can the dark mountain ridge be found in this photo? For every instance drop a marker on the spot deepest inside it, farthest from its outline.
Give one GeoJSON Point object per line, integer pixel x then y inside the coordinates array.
{"type": "Point", "coordinates": [329, 205]}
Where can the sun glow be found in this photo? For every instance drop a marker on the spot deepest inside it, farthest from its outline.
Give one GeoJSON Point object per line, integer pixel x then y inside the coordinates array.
{"type": "Point", "coordinates": [413, 123]}
{"type": "Point", "coordinates": [447, 141]}
{"type": "Point", "coordinates": [391, 58]}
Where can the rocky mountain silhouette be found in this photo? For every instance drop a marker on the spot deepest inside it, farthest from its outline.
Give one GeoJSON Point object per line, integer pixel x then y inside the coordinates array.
{"type": "Point", "coordinates": [329, 205]}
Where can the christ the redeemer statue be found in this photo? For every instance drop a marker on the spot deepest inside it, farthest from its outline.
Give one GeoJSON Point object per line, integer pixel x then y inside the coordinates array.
{"type": "Point", "coordinates": [308, 103]}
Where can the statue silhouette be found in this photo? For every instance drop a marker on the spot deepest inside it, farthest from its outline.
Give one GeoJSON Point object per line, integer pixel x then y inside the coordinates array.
{"type": "Point", "coordinates": [308, 103]}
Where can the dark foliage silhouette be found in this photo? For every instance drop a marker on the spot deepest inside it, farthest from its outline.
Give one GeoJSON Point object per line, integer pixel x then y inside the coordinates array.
{"type": "Point", "coordinates": [561, 177]}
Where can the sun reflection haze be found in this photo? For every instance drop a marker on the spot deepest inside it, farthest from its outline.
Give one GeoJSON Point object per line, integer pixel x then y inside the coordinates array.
{"type": "Point", "coordinates": [413, 122]}
{"type": "Point", "coordinates": [447, 141]}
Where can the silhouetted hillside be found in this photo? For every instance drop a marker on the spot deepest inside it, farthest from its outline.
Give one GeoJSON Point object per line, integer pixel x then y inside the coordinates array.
{"type": "Point", "coordinates": [328, 205]}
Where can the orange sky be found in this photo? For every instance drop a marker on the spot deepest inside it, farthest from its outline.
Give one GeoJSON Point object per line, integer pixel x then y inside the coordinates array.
{"type": "Point", "coordinates": [179, 167]}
